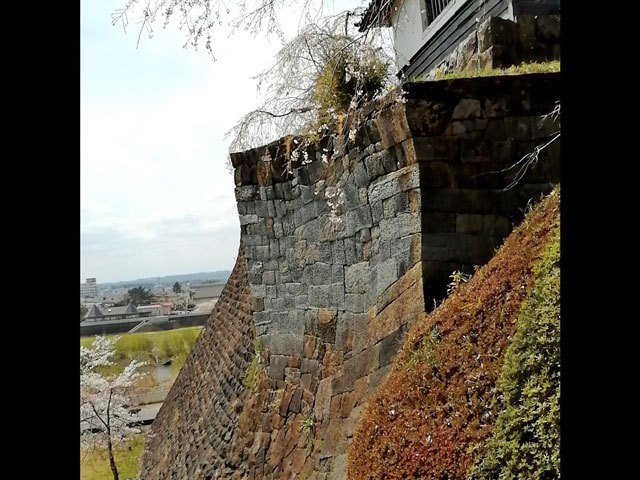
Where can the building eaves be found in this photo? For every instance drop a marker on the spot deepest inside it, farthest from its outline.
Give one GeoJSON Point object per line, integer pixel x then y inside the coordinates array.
{"type": "Point", "coordinates": [377, 14]}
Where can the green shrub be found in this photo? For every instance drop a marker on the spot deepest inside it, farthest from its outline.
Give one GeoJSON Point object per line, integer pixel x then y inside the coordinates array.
{"type": "Point", "coordinates": [336, 85]}
{"type": "Point", "coordinates": [525, 443]}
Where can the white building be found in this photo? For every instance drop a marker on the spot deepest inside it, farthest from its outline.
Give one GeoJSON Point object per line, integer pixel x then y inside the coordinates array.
{"type": "Point", "coordinates": [430, 34]}
{"type": "Point", "coordinates": [89, 289]}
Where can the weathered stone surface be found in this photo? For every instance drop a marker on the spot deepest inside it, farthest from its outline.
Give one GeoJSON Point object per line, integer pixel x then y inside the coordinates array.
{"type": "Point", "coordinates": [335, 281]}
{"type": "Point", "coordinates": [403, 309]}
{"type": "Point", "coordinates": [496, 31]}
{"type": "Point", "coordinates": [466, 108]}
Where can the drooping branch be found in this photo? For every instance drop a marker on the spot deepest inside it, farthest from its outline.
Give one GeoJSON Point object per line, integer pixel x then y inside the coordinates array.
{"type": "Point", "coordinates": [290, 88]}
{"type": "Point", "coordinates": [530, 159]}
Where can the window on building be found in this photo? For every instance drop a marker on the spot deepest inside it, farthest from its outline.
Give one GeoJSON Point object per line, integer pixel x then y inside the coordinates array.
{"type": "Point", "coordinates": [431, 9]}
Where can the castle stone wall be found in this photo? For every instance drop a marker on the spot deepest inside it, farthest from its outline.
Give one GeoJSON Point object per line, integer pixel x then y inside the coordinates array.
{"type": "Point", "coordinates": [345, 244]}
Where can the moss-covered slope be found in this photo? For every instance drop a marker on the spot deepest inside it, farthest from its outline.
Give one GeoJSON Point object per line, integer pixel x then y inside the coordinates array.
{"type": "Point", "coordinates": [474, 392]}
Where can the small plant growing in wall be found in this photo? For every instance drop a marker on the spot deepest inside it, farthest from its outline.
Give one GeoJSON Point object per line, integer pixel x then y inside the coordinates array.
{"type": "Point", "coordinates": [277, 399]}
{"type": "Point", "coordinates": [307, 430]}
{"type": "Point", "coordinates": [252, 370]}
{"type": "Point", "coordinates": [457, 278]}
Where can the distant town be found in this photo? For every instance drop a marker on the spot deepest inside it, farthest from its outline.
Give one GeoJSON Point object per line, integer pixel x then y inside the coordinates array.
{"type": "Point", "coordinates": [145, 305]}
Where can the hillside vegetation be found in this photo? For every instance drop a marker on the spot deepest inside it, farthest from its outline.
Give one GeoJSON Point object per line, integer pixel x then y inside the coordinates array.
{"type": "Point", "coordinates": [474, 392]}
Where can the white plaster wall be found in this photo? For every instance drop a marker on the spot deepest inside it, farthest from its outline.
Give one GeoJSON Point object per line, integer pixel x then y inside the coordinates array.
{"type": "Point", "coordinates": [406, 21]}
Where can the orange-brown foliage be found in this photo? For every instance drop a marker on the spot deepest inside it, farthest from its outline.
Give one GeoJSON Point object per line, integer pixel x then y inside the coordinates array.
{"type": "Point", "coordinates": [421, 422]}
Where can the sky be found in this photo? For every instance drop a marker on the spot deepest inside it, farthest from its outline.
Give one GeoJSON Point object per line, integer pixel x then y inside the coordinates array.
{"type": "Point", "coordinates": [156, 195]}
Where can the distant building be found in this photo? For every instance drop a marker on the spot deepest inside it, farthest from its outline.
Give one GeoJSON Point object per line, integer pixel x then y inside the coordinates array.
{"type": "Point", "coordinates": [110, 297]}
{"type": "Point", "coordinates": [96, 313]}
{"type": "Point", "coordinates": [156, 310]}
{"type": "Point", "coordinates": [89, 289]}
{"type": "Point", "coordinates": [206, 291]}
{"type": "Point", "coordinates": [168, 296]}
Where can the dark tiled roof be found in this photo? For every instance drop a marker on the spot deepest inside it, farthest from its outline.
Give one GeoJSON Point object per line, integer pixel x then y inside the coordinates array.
{"type": "Point", "coordinates": [377, 14]}
{"type": "Point", "coordinates": [94, 312]}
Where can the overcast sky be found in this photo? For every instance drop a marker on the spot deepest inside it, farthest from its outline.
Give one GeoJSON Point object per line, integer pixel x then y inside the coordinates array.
{"type": "Point", "coordinates": [156, 196]}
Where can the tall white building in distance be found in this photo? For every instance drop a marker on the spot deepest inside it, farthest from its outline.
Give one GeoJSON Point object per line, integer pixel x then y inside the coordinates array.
{"type": "Point", "coordinates": [89, 289]}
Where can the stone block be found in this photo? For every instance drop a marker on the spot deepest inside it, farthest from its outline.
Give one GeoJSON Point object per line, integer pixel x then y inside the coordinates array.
{"type": "Point", "coordinates": [335, 440]}
{"type": "Point", "coordinates": [374, 167]}
{"type": "Point", "coordinates": [388, 159]}
{"type": "Point", "coordinates": [548, 28]}
{"type": "Point", "coordinates": [469, 223]}
{"type": "Point", "coordinates": [389, 346]}
{"type": "Point", "coordinates": [338, 252]}
{"type": "Point", "coordinates": [377, 377]}
{"type": "Point", "coordinates": [526, 31]}
{"type": "Point", "coordinates": [436, 174]}
{"type": "Point", "coordinates": [402, 310]}
{"type": "Point", "coordinates": [357, 278]}
{"type": "Point", "coordinates": [277, 364]}
{"type": "Point", "coordinates": [354, 369]}
{"type": "Point", "coordinates": [442, 149]}
{"type": "Point", "coordinates": [354, 302]}
{"type": "Point", "coordinates": [439, 222]}
{"type": "Point", "coordinates": [427, 118]}
{"type": "Point", "coordinates": [465, 50]}
{"type": "Point", "coordinates": [321, 273]}
{"type": "Point", "coordinates": [349, 251]}
{"type": "Point", "coordinates": [518, 128]}
{"type": "Point", "coordinates": [412, 276]}
{"type": "Point", "coordinates": [285, 344]}
{"type": "Point", "coordinates": [497, 225]}
{"type": "Point", "coordinates": [466, 108]}
{"type": "Point", "coordinates": [386, 273]}
{"type": "Point", "coordinates": [495, 106]}
{"type": "Point", "coordinates": [361, 176]}
{"type": "Point", "coordinates": [319, 296]}
{"type": "Point", "coordinates": [402, 180]}
{"type": "Point", "coordinates": [496, 31]}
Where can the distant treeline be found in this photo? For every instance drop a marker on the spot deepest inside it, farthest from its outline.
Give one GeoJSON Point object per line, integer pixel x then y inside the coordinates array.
{"type": "Point", "coordinates": [169, 280]}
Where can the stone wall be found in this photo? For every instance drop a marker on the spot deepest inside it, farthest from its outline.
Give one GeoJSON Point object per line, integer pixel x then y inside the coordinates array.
{"type": "Point", "coordinates": [346, 243]}
{"type": "Point", "coordinates": [500, 43]}
{"type": "Point", "coordinates": [192, 435]}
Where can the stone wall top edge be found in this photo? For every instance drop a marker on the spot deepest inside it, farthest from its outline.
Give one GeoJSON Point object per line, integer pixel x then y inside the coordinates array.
{"type": "Point", "coordinates": [429, 90]}
{"type": "Point", "coordinates": [253, 154]}
{"type": "Point", "coordinates": [478, 85]}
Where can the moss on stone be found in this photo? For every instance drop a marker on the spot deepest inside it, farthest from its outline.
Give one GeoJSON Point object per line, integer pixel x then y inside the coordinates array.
{"type": "Point", "coordinates": [533, 67]}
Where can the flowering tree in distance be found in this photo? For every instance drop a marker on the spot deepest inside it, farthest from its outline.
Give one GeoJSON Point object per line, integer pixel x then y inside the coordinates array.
{"type": "Point", "coordinates": [105, 402]}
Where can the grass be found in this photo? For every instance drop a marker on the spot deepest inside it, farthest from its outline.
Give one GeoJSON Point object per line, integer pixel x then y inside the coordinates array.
{"type": "Point", "coordinates": [152, 347]}
{"type": "Point", "coordinates": [534, 67]}
{"type": "Point", "coordinates": [95, 464]}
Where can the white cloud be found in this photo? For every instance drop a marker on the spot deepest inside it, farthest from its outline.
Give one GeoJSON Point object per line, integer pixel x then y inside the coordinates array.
{"type": "Point", "coordinates": [156, 195]}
